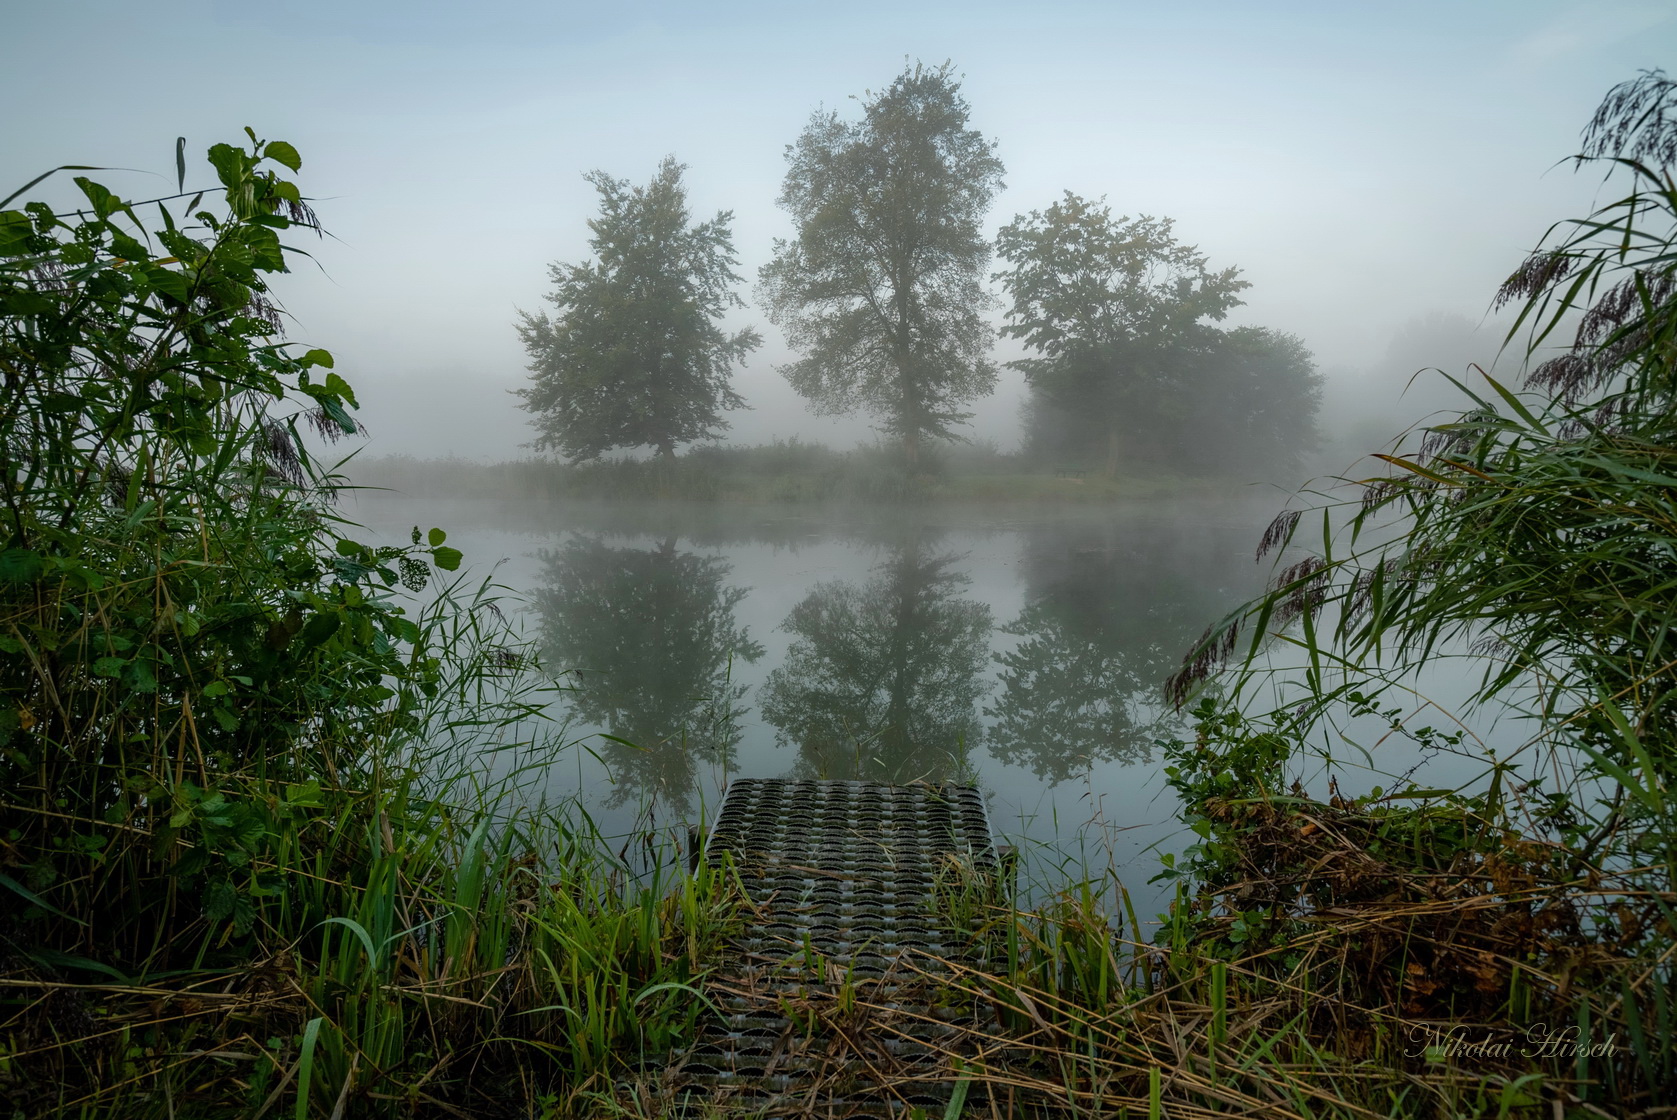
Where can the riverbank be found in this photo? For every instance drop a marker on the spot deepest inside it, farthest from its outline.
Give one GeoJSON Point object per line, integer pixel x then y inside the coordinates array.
{"type": "Point", "coordinates": [783, 472]}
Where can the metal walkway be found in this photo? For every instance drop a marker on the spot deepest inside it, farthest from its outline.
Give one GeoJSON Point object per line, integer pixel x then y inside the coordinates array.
{"type": "Point", "coordinates": [833, 1005]}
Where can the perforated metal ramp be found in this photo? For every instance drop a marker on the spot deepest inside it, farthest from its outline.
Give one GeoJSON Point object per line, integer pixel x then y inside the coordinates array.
{"type": "Point", "coordinates": [833, 1004]}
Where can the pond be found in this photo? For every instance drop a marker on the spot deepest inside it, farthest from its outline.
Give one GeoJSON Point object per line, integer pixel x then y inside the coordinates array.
{"type": "Point", "coordinates": [1019, 649]}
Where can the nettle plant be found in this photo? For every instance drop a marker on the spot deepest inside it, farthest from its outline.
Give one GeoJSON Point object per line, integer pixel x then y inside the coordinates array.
{"type": "Point", "coordinates": [191, 650]}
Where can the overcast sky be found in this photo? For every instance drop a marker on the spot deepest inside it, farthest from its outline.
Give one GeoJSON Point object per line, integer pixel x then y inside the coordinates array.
{"type": "Point", "coordinates": [1362, 164]}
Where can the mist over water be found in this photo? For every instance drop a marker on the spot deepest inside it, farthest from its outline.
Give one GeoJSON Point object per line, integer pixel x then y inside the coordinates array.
{"type": "Point", "coordinates": [1019, 648]}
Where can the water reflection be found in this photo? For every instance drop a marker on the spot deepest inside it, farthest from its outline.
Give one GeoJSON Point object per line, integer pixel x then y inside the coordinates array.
{"type": "Point", "coordinates": [1108, 615]}
{"type": "Point", "coordinates": [883, 679]}
{"type": "Point", "coordinates": [651, 635]}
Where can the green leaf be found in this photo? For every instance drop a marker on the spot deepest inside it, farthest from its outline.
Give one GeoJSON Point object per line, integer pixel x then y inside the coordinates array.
{"type": "Point", "coordinates": [20, 565]}
{"type": "Point", "coordinates": [127, 248]}
{"type": "Point", "coordinates": [336, 384]}
{"type": "Point", "coordinates": [30, 896]}
{"type": "Point", "coordinates": [169, 282]}
{"type": "Point", "coordinates": [105, 203]}
{"type": "Point", "coordinates": [109, 666]}
{"type": "Point", "coordinates": [434, 537]}
{"type": "Point", "coordinates": [281, 152]}
{"type": "Point", "coordinates": [320, 628]}
{"type": "Point", "coordinates": [305, 1061]}
{"type": "Point", "coordinates": [448, 559]}
{"type": "Point", "coordinates": [317, 357]}
{"type": "Point", "coordinates": [218, 900]}
{"type": "Point", "coordinates": [361, 934]}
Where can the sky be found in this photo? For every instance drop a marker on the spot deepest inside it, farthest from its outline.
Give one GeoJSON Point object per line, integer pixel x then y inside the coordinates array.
{"type": "Point", "coordinates": [1365, 166]}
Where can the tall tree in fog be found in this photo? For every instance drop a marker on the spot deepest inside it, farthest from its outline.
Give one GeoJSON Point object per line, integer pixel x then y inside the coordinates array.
{"type": "Point", "coordinates": [1258, 401]}
{"type": "Point", "coordinates": [1118, 312]}
{"type": "Point", "coordinates": [634, 357]}
{"type": "Point", "coordinates": [882, 289]}
{"type": "Point", "coordinates": [882, 681]}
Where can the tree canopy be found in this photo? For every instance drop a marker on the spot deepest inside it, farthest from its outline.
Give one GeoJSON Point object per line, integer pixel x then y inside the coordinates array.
{"type": "Point", "coordinates": [635, 357]}
{"type": "Point", "coordinates": [882, 288]}
{"type": "Point", "coordinates": [1118, 312]}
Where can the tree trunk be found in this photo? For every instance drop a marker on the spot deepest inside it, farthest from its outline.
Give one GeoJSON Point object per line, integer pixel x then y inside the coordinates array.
{"type": "Point", "coordinates": [1112, 453]}
{"type": "Point", "coordinates": [911, 452]}
{"type": "Point", "coordinates": [666, 451]}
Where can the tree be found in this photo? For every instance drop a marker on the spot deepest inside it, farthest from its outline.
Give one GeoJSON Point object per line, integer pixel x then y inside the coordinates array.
{"type": "Point", "coordinates": [635, 357]}
{"type": "Point", "coordinates": [1118, 311]}
{"type": "Point", "coordinates": [883, 287]}
{"type": "Point", "coordinates": [1257, 401]}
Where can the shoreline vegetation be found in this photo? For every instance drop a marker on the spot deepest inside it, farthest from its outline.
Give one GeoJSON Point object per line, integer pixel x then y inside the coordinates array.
{"type": "Point", "coordinates": [785, 471]}
{"type": "Point", "coordinates": [251, 867]}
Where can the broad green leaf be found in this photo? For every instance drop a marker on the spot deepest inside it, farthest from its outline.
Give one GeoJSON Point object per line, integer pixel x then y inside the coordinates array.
{"type": "Point", "coordinates": [281, 152]}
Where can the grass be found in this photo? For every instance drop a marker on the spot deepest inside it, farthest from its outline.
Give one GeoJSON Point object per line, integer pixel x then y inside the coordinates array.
{"type": "Point", "coordinates": [511, 967]}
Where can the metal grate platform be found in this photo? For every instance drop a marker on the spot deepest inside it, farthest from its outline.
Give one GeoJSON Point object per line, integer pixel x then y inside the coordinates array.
{"type": "Point", "coordinates": [833, 1006]}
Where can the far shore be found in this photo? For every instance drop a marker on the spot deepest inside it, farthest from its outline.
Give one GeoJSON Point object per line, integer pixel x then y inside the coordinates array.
{"type": "Point", "coordinates": [785, 473]}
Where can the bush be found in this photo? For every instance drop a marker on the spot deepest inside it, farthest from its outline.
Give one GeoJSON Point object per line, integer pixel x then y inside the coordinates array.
{"type": "Point", "coordinates": [1537, 535]}
{"type": "Point", "coordinates": [238, 862]}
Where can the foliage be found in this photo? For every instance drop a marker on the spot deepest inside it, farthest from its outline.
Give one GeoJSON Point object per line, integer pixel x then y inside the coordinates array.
{"type": "Point", "coordinates": [882, 289]}
{"type": "Point", "coordinates": [246, 855]}
{"type": "Point", "coordinates": [180, 612]}
{"type": "Point", "coordinates": [635, 357]}
{"type": "Point", "coordinates": [1537, 535]}
{"type": "Point", "coordinates": [1256, 402]}
{"type": "Point", "coordinates": [1119, 312]}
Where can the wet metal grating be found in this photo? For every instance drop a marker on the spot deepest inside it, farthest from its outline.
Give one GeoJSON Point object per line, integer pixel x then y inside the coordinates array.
{"type": "Point", "coordinates": [833, 1004]}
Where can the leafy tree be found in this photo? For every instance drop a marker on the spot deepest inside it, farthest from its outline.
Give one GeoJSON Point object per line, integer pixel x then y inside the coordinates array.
{"type": "Point", "coordinates": [651, 634]}
{"type": "Point", "coordinates": [635, 357]}
{"type": "Point", "coordinates": [1256, 401]}
{"type": "Point", "coordinates": [882, 288]}
{"type": "Point", "coordinates": [882, 681]}
{"type": "Point", "coordinates": [1119, 312]}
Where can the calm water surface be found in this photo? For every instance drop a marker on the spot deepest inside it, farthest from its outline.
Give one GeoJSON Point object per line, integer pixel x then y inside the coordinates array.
{"type": "Point", "coordinates": [1021, 649]}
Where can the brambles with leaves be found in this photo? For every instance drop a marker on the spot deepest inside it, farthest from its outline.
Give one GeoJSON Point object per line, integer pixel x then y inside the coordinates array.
{"type": "Point", "coordinates": [180, 611]}
{"type": "Point", "coordinates": [240, 855]}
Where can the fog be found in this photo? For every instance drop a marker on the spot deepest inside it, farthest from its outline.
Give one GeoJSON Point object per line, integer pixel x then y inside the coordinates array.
{"type": "Point", "coordinates": [1367, 170]}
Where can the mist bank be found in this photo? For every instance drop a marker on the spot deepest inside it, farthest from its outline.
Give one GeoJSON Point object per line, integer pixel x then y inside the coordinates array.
{"type": "Point", "coordinates": [788, 472]}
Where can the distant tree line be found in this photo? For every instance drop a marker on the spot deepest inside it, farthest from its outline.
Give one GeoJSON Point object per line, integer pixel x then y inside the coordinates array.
{"type": "Point", "coordinates": [882, 291]}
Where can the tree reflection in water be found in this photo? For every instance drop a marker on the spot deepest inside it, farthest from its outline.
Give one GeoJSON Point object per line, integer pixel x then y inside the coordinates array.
{"type": "Point", "coordinates": [882, 681]}
{"type": "Point", "coordinates": [1109, 612]}
{"type": "Point", "coordinates": [650, 633]}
